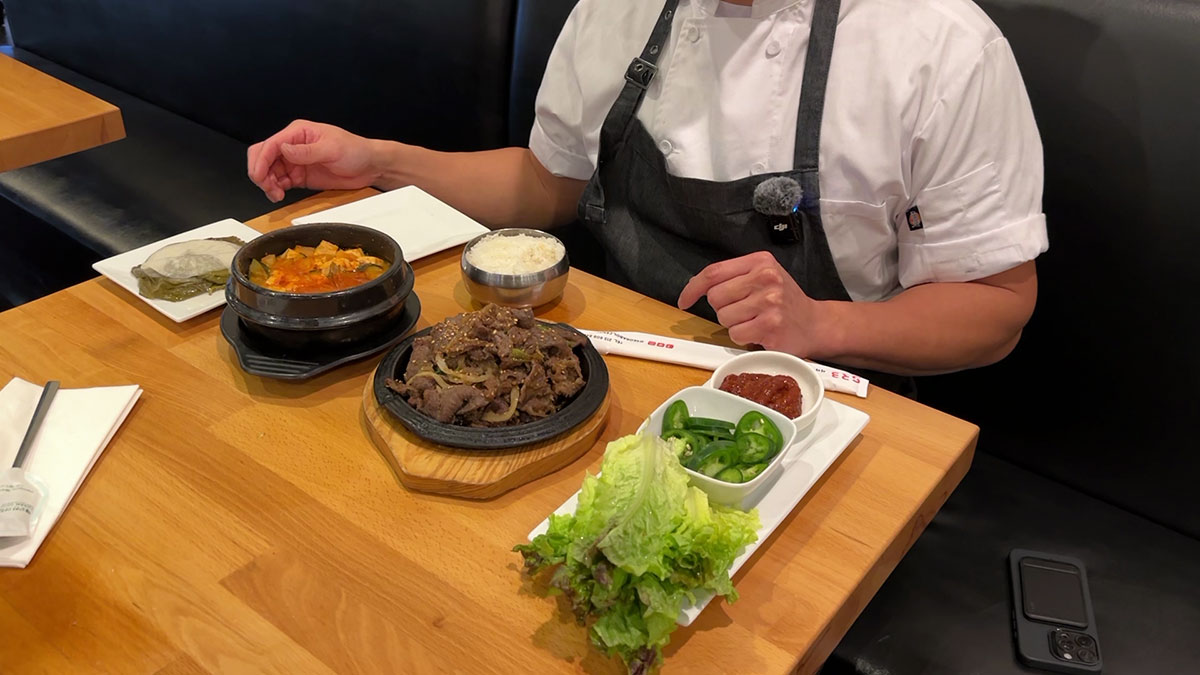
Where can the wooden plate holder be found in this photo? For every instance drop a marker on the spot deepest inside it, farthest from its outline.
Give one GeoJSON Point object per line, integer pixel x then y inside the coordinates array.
{"type": "Point", "coordinates": [425, 466]}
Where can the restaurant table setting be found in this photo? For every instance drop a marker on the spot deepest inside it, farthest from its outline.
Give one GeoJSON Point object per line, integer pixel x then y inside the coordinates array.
{"type": "Point", "coordinates": [282, 324]}
{"type": "Point", "coordinates": [734, 456]}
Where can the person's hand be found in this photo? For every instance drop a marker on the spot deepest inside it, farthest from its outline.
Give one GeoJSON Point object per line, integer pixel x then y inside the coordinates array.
{"type": "Point", "coordinates": [311, 155]}
{"type": "Point", "coordinates": [758, 301]}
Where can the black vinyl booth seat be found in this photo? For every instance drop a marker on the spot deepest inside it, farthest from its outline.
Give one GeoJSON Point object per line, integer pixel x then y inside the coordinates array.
{"type": "Point", "coordinates": [1089, 429]}
{"type": "Point", "coordinates": [945, 610]}
{"type": "Point", "coordinates": [197, 82]}
{"type": "Point", "coordinates": [433, 73]}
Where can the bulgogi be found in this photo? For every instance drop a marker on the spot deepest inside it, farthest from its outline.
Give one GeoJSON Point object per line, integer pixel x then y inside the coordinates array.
{"type": "Point", "coordinates": [490, 368]}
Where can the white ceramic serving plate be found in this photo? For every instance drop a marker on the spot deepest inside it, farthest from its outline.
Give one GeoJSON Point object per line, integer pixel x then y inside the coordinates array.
{"type": "Point", "coordinates": [812, 389]}
{"type": "Point", "coordinates": [721, 405]}
{"type": "Point", "coordinates": [812, 453]}
{"type": "Point", "coordinates": [418, 221]}
{"type": "Point", "coordinates": [117, 269]}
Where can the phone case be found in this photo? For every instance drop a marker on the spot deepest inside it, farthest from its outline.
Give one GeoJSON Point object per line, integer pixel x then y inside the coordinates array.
{"type": "Point", "coordinates": [1035, 639]}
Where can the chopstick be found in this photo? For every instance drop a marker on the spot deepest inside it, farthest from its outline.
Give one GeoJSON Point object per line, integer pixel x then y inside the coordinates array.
{"type": "Point", "coordinates": [35, 424]}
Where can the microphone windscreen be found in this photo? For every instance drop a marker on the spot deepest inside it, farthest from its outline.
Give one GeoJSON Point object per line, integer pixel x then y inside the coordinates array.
{"type": "Point", "coordinates": [777, 196]}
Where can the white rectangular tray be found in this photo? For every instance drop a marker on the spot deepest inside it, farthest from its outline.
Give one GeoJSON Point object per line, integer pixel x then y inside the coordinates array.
{"type": "Point", "coordinates": [118, 269]}
{"type": "Point", "coordinates": [815, 449]}
{"type": "Point", "coordinates": [418, 221]}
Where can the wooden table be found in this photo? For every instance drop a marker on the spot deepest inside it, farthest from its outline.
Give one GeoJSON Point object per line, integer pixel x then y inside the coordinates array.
{"type": "Point", "coordinates": [42, 118]}
{"type": "Point", "coordinates": [241, 524]}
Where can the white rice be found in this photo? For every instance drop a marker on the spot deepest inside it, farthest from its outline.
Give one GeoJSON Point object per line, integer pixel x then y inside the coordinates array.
{"type": "Point", "coordinates": [515, 253]}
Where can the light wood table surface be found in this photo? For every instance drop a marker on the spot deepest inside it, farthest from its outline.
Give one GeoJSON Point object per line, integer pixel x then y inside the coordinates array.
{"type": "Point", "coordinates": [42, 118]}
{"type": "Point", "coordinates": [240, 524]}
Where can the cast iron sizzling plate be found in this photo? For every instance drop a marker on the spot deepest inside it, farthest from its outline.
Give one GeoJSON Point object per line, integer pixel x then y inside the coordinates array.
{"type": "Point", "coordinates": [578, 409]}
{"type": "Point", "coordinates": [257, 358]}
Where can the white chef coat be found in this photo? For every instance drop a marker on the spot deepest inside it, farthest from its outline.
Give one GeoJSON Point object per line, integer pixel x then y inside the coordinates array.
{"type": "Point", "coordinates": [925, 107]}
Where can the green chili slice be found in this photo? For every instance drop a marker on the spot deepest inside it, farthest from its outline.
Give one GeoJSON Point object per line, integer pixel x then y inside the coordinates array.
{"type": "Point", "coordinates": [675, 417]}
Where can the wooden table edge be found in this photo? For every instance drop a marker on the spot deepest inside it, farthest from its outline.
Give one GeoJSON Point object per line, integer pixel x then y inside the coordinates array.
{"type": "Point", "coordinates": [111, 125]}
{"type": "Point", "coordinates": [829, 637]}
{"type": "Point", "coordinates": [107, 121]}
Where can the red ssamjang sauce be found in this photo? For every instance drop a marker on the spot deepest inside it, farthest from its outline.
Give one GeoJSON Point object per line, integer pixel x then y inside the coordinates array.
{"type": "Point", "coordinates": [779, 392]}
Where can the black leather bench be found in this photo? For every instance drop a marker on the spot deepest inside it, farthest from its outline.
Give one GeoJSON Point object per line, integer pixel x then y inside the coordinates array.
{"type": "Point", "coordinates": [1088, 431]}
{"type": "Point", "coordinates": [945, 610]}
{"type": "Point", "coordinates": [198, 81]}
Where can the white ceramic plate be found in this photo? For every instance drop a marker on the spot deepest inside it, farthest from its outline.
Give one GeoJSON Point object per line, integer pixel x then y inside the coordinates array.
{"type": "Point", "coordinates": [418, 221]}
{"type": "Point", "coordinates": [117, 268]}
{"type": "Point", "coordinates": [814, 450]}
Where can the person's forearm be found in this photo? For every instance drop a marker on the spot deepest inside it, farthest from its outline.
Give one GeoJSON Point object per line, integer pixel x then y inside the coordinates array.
{"type": "Point", "coordinates": [499, 188]}
{"type": "Point", "coordinates": [929, 329]}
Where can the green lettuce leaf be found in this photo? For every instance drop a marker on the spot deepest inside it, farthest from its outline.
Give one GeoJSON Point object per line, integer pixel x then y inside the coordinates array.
{"type": "Point", "coordinates": [641, 542]}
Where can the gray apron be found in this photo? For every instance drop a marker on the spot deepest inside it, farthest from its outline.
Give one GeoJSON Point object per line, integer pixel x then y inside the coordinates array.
{"type": "Point", "coordinates": [659, 230]}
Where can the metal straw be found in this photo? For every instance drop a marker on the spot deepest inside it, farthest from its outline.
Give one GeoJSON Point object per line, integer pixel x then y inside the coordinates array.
{"type": "Point", "coordinates": [35, 424]}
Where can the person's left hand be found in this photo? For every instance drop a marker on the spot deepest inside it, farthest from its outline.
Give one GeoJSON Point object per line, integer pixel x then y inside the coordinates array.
{"type": "Point", "coordinates": [758, 301]}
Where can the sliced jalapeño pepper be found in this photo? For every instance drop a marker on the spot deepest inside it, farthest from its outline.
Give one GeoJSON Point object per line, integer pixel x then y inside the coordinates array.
{"type": "Point", "coordinates": [675, 417]}
{"type": "Point", "coordinates": [750, 472]}
{"type": "Point", "coordinates": [714, 434]}
{"type": "Point", "coordinates": [755, 422]}
{"type": "Point", "coordinates": [708, 425]}
{"type": "Point", "coordinates": [691, 443]}
{"type": "Point", "coordinates": [709, 448]}
{"type": "Point", "coordinates": [715, 457]}
{"type": "Point", "coordinates": [731, 475]}
{"type": "Point", "coordinates": [754, 448]}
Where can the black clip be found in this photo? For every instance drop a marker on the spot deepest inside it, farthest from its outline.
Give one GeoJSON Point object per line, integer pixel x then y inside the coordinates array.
{"type": "Point", "coordinates": [640, 72]}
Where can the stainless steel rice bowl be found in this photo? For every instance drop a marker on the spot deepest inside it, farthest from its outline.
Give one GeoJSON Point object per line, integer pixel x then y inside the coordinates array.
{"type": "Point", "coordinates": [529, 289]}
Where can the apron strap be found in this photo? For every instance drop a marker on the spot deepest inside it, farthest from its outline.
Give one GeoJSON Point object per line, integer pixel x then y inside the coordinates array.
{"type": "Point", "coordinates": [638, 76]}
{"type": "Point", "coordinates": [812, 88]}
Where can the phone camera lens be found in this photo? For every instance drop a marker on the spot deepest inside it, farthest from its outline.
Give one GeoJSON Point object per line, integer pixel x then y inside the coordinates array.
{"type": "Point", "coordinates": [1084, 640]}
{"type": "Point", "coordinates": [1063, 645]}
{"type": "Point", "coordinates": [1086, 656]}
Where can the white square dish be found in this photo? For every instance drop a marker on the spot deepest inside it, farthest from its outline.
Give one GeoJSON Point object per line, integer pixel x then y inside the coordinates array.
{"type": "Point", "coordinates": [714, 403]}
{"type": "Point", "coordinates": [418, 221]}
{"type": "Point", "coordinates": [117, 268]}
{"type": "Point", "coordinates": [811, 454]}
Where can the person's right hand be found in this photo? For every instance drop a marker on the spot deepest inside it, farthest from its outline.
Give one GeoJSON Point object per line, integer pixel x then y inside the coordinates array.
{"type": "Point", "coordinates": [311, 155]}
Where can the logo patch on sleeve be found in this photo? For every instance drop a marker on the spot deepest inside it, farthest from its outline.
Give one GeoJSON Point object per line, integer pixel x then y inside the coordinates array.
{"type": "Point", "coordinates": [913, 216]}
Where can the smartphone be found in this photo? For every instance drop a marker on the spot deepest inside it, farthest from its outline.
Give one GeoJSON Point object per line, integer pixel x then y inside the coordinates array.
{"type": "Point", "coordinates": [1053, 624]}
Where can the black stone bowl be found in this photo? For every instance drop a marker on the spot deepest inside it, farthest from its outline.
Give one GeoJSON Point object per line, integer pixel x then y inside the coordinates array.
{"type": "Point", "coordinates": [309, 321]}
{"type": "Point", "coordinates": [585, 402]}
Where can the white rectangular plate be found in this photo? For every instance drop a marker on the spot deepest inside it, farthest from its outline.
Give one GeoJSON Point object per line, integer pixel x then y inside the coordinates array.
{"type": "Point", "coordinates": [117, 268]}
{"type": "Point", "coordinates": [418, 221]}
{"type": "Point", "coordinates": [814, 450]}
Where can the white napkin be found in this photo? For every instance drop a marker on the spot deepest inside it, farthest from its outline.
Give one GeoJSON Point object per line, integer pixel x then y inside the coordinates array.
{"type": "Point", "coordinates": [701, 355]}
{"type": "Point", "coordinates": [418, 221]}
{"type": "Point", "coordinates": [76, 430]}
